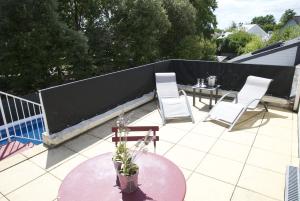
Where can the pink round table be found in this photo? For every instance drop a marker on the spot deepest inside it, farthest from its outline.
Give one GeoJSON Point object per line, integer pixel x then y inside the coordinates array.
{"type": "Point", "coordinates": [95, 180]}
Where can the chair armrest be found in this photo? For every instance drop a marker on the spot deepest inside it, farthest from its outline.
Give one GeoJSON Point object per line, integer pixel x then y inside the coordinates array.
{"type": "Point", "coordinates": [183, 92]}
{"type": "Point", "coordinates": [249, 103]}
{"type": "Point", "coordinates": [225, 95]}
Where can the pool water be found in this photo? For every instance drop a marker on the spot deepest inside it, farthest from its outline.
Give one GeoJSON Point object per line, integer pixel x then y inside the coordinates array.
{"type": "Point", "coordinates": [26, 132]}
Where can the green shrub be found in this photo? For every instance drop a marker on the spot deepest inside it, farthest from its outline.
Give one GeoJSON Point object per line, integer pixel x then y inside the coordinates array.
{"type": "Point", "coordinates": [234, 42]}
{"type": "Point", "coordinates": [195, 47]}
{"type": "Point", "coordinates": [255, 44]}
{"type": "Point", "coordinates": [286, 34]}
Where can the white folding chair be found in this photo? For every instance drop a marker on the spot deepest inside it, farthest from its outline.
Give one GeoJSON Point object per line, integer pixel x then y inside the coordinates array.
{"type": "Point", "coordinates": [248, 98]}
{"type": "Point", "coordinates": [171, 104]}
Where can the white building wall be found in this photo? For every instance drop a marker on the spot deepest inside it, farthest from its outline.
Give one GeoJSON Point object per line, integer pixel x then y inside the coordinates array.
{"type": "Point", "coordinates": [258, 31]}
{"type": "Point", "coordinates": [281, 58]}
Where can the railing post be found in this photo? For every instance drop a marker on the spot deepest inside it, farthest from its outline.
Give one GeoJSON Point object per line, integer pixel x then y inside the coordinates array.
{"type": "Point", "coordinates": [4, 120]}
{"type": "Point", "coordinates": [44, 114]}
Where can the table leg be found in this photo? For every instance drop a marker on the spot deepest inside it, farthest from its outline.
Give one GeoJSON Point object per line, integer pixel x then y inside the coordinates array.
{"type": "Point", "coordinates": [216, 97]}
{"type": "Point", "coordinates": [194, 97]}
{"type": "Point", "coordinates": [210, 99]}
{"type": "Point", "coordinates": [200, 94]}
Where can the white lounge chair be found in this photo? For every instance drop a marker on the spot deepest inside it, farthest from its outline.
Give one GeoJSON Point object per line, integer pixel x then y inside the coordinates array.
{"type": "Point", "coordinates": [248, 98]}
{"type": "Point", "coordinates": [171, 104]}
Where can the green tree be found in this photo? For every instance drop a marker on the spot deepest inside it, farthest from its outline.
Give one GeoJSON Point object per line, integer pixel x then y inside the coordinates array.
{"type": "Point", "coordinates": [286, 34]}
{"type": "Point", "coordinates": [233, 26]}
{"type": "Point", "coordinates": [267, 22]}
{"type": "Point", "coordinates": [93, 18]}
{"type": "Point", "coordinates": [138, 26]}
{"type": "Point", "coordinates": [235, 42]}
{"type": "Point", "coordinates": [195, 47]}
{"type": "Point", "coordinates": [182, 16]}
{"type": "Point", "coordinates": [287, 15]}
{"type": "Point", "coordinates": [36, 49]}
{"type": "Point", "coordinates": [255, 44]}
{"type": "Point", "coordinates": [206, 21]}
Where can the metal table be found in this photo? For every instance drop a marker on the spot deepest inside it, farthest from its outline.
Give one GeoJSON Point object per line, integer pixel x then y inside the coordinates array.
{"type": "Point", "coordinates": [95, 179]}
{"type": "Point", "coordinates": [211, 93]}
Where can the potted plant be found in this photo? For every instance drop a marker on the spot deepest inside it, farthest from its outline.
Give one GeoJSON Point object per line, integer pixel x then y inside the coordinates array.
{"type": "Point", "coordinates": [124, 157]}
{"type": "Point", "coordinates": [121, 147]}
{"type": "Point", "coordinates": [128, 174]}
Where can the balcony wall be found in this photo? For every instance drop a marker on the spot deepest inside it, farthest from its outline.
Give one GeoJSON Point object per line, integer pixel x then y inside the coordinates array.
{"type": "Point", "coordinates": [69, 104]}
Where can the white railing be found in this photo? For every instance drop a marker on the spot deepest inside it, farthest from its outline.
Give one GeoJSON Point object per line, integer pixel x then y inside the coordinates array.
{"type": "Point", "coordinates": [21, 119]}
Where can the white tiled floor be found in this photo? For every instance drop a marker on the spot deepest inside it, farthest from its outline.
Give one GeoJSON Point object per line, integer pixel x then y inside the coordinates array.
{"type": "Point", "coordinates": [247, 164]}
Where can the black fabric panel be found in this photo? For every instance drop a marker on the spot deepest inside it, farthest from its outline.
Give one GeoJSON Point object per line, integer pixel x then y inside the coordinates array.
{"type": "Point", "coordinates": [232, 76]}
{"type": "Point", "coordinates": [69, 104]}
{"type": "Point", "coordinates": [297, 59]}
{"type": "Point", "coordinates": [72, 103]}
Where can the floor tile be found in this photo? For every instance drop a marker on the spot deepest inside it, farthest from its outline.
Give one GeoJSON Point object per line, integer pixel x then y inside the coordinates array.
{"type": "Point", "coordinates": [268, 160]}
{"type": "Point", "coordinates": [35, 151]}
{"type": "Point", "coordinates": [240, 137]}
{"type": "Point", "coordinates": [153, 117]}
{"type": "Point", "coordinates": [53, 157]}
{"type": "Point", "coordinates": [220, 168]}
{"type": "Point", "coordinates": [182, 156]}
{"type": "Point", "coordinates": [102, 131]}
{"type": "Point", "coordinates": [18, 175]}
{"type": "Point", "coordinates": [251, 123]}
{"type": "Point", "coordinates": [199, 142]}
{"type": "Point", "coordinates": [282, 133]}
{"type": "Point", "coordinates": [277, 133]}
{"type": "Point", "coordinates": [278, 113]}
{"type": "Point", "coordinates": [295, 161]}
{"type": "Point", "coordinates": [82, 142]}
{"type": "Point", "coordinates": [210, 129]}
{"type": "Point", "coordinates": [43, 188]}
{"type": "Point", "coordinates": [295, 149]}
{"type": "Point", "coordinates": [63, 170]}
{"type": "Point", "coordinates": [272, 144]}
{"type": "Point", "coordinates": [169, 134]}
{"type": "Point", "coordinates": [241, 194]}
{"type": "Point", "coordinates": [100, 148]}
{"type": "Point", "coordinates": [187, 173]}
{"type": "Point", "coordinates": [263, 181]}
{"type": "Point", "coordinates": [185, 125]}
{"type": "Point", "coordinates": [161, 147]}
{"type": "Point", "coordinates": [11, 161]}
{"type": "Point", "coordinates": [200, 188]}
{"type": "Point", "coordinates": [3, 199]}
{"type": "Point", "coordinates": [230, 150]}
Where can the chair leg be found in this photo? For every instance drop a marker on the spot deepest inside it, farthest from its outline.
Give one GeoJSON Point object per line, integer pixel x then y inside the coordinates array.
{"type": "Point", "coordinates": [265, 106]}
{"type": "Point", "coordinates": [236, 119]}
{"type": "Point", "coordinates": [189, 108]}
{"type": "Point", "coordinates": [162, 116]}
{"type": "Point", "coordinates": [205, 119]}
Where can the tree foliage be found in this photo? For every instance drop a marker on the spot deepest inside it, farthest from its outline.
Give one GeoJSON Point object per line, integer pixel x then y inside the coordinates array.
{"type": "Point", "coordinates": [138, 27]}
{"type": "Point", "coordinates": [55, 41]}
{"type": "Point", "coordinates": [254, 44]}
{"type": "Point", "coordinates": [36, 49]}
{"type": "Point", "coordinates": [286, 34]}
{"type": "Point", "coordinates": [206, 21]}
{"type": "Point", "coordinates": [267, 23]}
{"type": "Point", "coordinates": [195, 47]}
{"type": "Point", "coordinates": [235, 42]}
{"type": "Point", "coordinates": [286, 16]}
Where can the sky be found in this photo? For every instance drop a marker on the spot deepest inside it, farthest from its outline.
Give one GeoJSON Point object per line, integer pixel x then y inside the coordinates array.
{"type": "Point", "coordinates": [245, 10]}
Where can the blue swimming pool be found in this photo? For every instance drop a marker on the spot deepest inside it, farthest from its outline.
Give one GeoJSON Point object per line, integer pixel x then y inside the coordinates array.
{"type": "Point", "coordinates": [25, 132]}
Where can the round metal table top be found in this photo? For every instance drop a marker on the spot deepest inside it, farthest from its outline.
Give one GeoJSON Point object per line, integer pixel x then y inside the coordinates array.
{"type": "Point", "coordinates": [159, 179]}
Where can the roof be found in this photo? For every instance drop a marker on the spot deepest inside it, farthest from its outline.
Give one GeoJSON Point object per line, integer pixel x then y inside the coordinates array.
{"type": "Point", "coordinates": [297, 19]}
{"type": "Point", "coordinates": [267, 50]}
{"type": "Point", "coordinates": [247, 27]}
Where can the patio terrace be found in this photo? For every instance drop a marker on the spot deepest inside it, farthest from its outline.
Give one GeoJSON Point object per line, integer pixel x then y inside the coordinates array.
{"type": "Point", "coordinates": [246, 164]}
